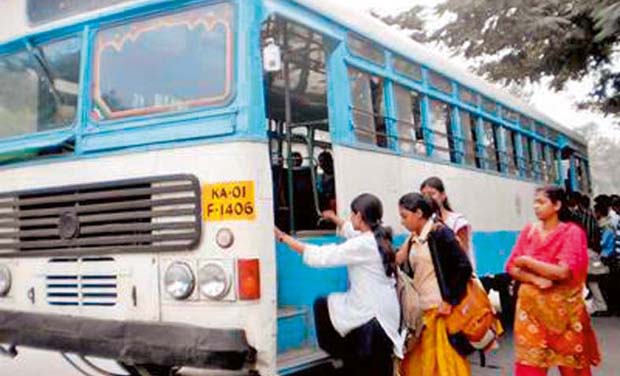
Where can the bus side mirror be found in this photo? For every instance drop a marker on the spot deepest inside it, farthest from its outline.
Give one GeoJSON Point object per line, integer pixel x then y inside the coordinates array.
{"type": "Point", "coordinates": [272, 56]}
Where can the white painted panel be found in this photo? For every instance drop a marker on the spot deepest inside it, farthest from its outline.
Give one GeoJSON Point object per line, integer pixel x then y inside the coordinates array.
{"type": "Point", "coordinates": [491, 202]}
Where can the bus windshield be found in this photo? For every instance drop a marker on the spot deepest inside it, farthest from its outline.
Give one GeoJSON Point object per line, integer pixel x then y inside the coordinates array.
{"type": "Point", "coordinates": [162, 64]}
{"type": "Point", "coordinates": [39, 88]}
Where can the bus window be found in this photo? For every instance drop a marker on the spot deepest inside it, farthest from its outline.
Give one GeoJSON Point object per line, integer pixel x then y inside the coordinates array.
{"type": "Point", "coordinates": [368, 110]}
{"type": "Point", "coordinates": [39, 88]}
{"type": "Point", "coordinates": [40, 12]}
{"type": "Point", "coordinates": [365, 49]}
{"type": "Point", "coordinates": [489, 106]}
{"type": "Point", "coordinates": [440, 83]}
{"type": "Point", "coordinates": [510, 115]}
{"type": "Point", "coordinates": [528, 157]}
{"type": "Point", "coordinates": [410, 135]}
{"type": "Point", "coordinates": [538, 160]}
{"type": "Point", "coordinates": [441, 125]}
{"type": "Point", "coordinates": [468, 96]}
{"type": "Point", "coordinates": [491, 145]}
{"type": "Point", "coordinates": [556, 165]}
{"type": "Point", "coordinates": [407, 68]}
{"type": "Point", "coordinates": [550, 172]}
{"type": "Point", "coordinates": [163, 64]}
{"type": "Point", "coordinates": [511, 153]}
{"type": "Point", "coordinates": [581, 172]}
{"type": "Point", "coordinates": [302, 161]}
{"type": "Point", "coordinates": [470, 139]}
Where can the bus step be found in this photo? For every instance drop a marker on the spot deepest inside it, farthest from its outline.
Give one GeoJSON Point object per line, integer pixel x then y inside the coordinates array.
{"type": "Point", "coordinates": [294, 328]}
{"type": "Point", "coordinates": [301, 359]}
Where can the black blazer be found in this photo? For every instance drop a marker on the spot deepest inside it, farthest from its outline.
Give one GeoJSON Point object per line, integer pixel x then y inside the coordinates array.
{"type": "Point", "coordinates": [451, 263]}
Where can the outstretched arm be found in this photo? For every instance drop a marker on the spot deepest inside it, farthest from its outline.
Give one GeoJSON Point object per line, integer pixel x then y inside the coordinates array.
{"type": "Point", "coordinates": [331, 216]}
{"type": "Point", "coordinates": [293, 243]}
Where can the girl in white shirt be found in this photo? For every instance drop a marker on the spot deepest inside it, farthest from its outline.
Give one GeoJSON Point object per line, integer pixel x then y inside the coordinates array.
{"type": "Point", "coordinates": [434, 188]}
{"type": "Point", "coordinates": [360, 326]}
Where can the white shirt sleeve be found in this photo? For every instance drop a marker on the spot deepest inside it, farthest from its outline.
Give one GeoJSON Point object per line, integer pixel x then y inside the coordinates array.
{"type": "Point", "coordinates": [351, 252]}
{"type": "Point", "coordinates": [459, 222]}
{"type": "Point", "coordinates": [347, 231]}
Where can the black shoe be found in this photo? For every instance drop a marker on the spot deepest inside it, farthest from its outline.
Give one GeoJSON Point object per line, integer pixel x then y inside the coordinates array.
{"type": "Point", "coordinates": [601, 314]}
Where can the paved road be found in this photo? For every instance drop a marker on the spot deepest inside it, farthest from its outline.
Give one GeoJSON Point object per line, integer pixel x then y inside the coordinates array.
{"type": "Point", "coordinates": [608, 334]}
{"type": "Point", "coordinates": [38, 363]}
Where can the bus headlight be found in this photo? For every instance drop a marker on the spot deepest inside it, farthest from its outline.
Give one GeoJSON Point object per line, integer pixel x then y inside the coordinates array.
{"type": "Point", "coordinates": [5, 280]}
{"type": "Point", "coordinates": [213, 280]}
{"type": "Point", "coordinates": [179, 280]}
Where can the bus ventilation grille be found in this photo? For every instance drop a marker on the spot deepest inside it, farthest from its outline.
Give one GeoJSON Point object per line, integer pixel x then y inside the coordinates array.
{"type": "Point", "coordinates": [88, 281]}
{"type": "Point", "coordinates": [139, 215]}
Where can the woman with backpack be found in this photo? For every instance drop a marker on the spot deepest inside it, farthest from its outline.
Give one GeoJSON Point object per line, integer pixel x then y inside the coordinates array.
{"type": "Point", "coordinates": [360, 326]}
{"type": "Point", "coordinates": [434, 188]}
{"type": "Point", "coordinates": [433, 354]}
{"type": "Point", "coordinates": [550, 259]}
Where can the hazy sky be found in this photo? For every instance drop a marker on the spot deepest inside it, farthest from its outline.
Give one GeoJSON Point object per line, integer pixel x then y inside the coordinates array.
{"type": "Point", "coordinates": [559, 106]}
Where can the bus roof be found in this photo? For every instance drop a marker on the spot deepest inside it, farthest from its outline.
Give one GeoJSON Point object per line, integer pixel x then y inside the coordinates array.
{"type": "Point", "coordinates": [15, 25]}
{"type": "Point", "coordinates": [398, 42]}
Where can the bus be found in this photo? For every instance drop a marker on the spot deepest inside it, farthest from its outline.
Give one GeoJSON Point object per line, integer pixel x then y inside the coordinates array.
{"type": "Point", "coordinates": [148, 148]}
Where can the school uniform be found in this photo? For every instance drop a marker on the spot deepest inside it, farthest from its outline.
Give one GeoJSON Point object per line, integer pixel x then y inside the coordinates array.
{"type": "Point", "coordinates": [456, 222]}
{"type": "Point", "coordinates": [434, 355]}
{"type": "Point", "coordinates": [361, 325]}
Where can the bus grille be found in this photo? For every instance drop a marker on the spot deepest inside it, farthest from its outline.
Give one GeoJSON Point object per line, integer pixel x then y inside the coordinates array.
{"type": "Point", "coordinates": [139, 215]}
{"type": "Point", "coordinates": [81, 282]}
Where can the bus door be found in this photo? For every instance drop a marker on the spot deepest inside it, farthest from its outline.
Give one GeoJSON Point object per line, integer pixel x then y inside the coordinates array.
{"type": "Point", "coordinates": [302, 163]}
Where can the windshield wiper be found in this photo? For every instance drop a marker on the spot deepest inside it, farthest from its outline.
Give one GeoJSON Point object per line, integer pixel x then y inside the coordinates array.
{"type": "Point", "coordinates": [37, 56]}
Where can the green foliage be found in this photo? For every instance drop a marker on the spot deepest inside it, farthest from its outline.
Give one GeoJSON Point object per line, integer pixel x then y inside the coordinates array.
{"type": "Point", "coordinates": [514, 41]}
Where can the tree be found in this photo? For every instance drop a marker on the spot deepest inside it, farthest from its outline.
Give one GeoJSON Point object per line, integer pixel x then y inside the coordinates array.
{"type": "Point", "coordinates": [604, 156]}
{"type": "Point", "coordinates": [516, 41]}
{"type": "Point", "coordinates": [409, 21]}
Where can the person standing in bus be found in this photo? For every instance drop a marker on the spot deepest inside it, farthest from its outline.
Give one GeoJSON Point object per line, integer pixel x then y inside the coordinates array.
{"type": "Point", "coordinates": [326, 184]}
{"type": "Point", "coordinates": [550, 259]}
{"type": "Point", "coordinates": [434, 188]}
{"type": "Point", "coordinates": [360, 326]}
{"type": "Point", "coordinates": [433, 355]}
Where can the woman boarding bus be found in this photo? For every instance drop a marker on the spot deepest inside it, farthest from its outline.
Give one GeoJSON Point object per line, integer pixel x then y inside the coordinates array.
{"type": "Point", "coordinates": [360, 326]}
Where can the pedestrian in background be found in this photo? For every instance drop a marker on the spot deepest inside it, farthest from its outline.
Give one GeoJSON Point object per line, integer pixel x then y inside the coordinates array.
{"type": "Point", "coordinates": [434, 188]}
{"type": "Point", "coordinates": [552, 326]}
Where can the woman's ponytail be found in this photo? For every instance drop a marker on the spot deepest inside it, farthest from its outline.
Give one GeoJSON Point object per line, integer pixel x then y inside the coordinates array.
{"type": "Point", "coordinates": [369, 206]}
{"type": "Point", "coordinates": [383, 236]}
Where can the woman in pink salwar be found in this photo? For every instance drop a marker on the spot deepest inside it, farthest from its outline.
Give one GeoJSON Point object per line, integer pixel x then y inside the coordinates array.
{"type": "Point", "coordinates": [552, 326]}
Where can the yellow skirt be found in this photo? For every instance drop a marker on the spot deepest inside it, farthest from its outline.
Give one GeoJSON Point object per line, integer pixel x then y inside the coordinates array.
{"type": "Point", "coordinates": [433, 355]}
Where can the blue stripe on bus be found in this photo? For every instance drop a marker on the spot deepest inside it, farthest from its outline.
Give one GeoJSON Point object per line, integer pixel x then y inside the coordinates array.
{"type": "Point", "coordinates": [492, 250]}
{"type": "Point", "coordinates": [300, 285]}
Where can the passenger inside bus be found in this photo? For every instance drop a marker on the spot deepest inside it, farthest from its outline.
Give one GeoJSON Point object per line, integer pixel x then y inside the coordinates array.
{"type": "Point", "coordinates": [297, 159]}
{"type": "Point", "coordinates": [326, 185]}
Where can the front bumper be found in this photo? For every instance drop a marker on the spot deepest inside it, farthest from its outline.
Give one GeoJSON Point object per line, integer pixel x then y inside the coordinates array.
{"type": "Point", "coordinates": [132, 342]}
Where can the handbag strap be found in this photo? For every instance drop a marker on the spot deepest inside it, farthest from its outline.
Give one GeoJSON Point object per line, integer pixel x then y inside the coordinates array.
{"type": "Point", "coordinates": [432, 246]}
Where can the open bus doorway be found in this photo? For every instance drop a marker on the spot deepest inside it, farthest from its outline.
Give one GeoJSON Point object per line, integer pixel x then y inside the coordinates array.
{"type": "Point", "coordinates": [302, 162]}
{"type": "Point", "coordinates": [301, 151]}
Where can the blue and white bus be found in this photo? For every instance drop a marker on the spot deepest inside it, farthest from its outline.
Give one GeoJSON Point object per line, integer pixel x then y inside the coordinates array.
{"type": "Point", "coordinates": [148, 147]}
